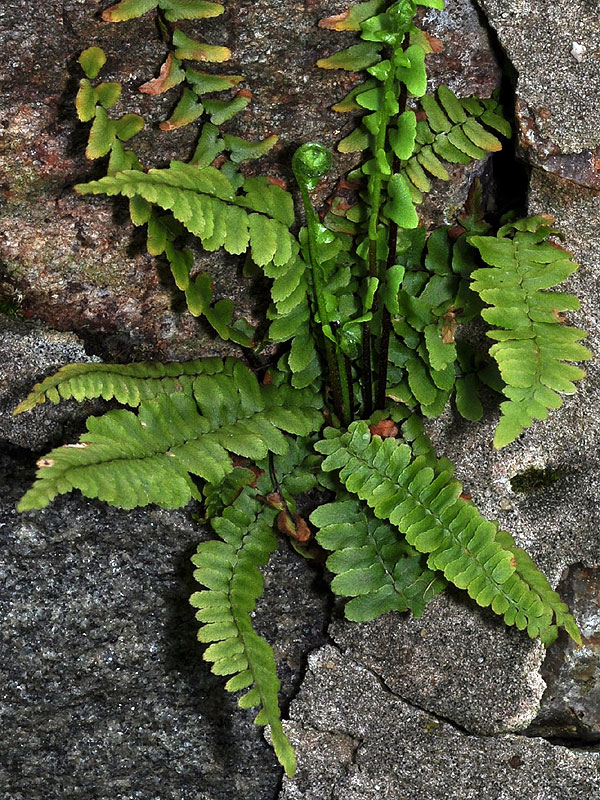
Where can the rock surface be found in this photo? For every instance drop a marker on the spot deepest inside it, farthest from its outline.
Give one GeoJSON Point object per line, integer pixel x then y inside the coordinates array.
{"type": "Point", "coordinates": [104, 691]}
{"type": "Point", "coordinates": [555, 49]}
{"type": "Point", "coordinates": [28, 354]}
{"type": "Point", "coordinates": [358, 741]}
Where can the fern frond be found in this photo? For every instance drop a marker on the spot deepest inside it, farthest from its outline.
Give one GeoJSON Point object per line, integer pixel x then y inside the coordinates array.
{"type": "Point", "coordinates": [229, 571]}
{"type": "Point", "coordinates": [372, 564]}
{"type": "Point", "coordinates": [425, 504]}
{"type": "Point", "coordinates": [527, 570]}
{"type": "Point", "coordinates": [204, 200]}
{"type": "Point", "coordinates": [456, 131]}
{"type": "Point", "coordinates": [131, 460]}
{"type": "Point", "coordinates": [290, 319]}
{"type": "Point", "coordinates": [129, 384]}
{"type": "Point", "coordinates": [532, 345]}
{"type": "Point", "coordinates": [174, 9]}
{"type": "Point", "coordinates": [429, 301]}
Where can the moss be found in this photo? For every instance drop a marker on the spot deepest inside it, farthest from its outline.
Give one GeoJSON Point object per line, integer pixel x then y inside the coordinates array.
{"type": "Point", "coordinates": [534, 478]}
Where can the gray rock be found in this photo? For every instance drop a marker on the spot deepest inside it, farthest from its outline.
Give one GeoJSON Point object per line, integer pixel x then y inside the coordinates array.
{"type": "Point", "coordinates": [357, 740]}
{"type": "Point", "coordinates": [104, 690]}
{"type": "Point", "coordinates": [570, 707]}
{"type": "Point", "coordinates": [554, 49]}
{"type": "Point", "coordinates": [456, 662]}
{"type": "Point", "coordinates": [28, 353]}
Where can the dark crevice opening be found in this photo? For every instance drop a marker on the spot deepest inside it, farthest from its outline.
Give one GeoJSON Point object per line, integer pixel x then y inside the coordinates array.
{"type": "Point", "coordinates": [508, 176]}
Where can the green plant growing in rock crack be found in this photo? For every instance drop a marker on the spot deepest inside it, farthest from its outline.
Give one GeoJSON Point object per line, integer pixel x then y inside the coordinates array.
{"type": "Point", "coordinates": [365, 304]}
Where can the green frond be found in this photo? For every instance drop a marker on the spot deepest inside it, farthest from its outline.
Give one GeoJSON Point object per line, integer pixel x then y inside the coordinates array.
{"type": "Point", "coordinates": [229, 571]}
{"type": "Point", "coordinates": [204, 201]}
{"type": "Point", "coordinates": [455, 131]}
{"type": "Point", "coordinates": [527, 570]}
{"type": "Point", "coordinates": [431, 299]}
{"type": "Point", "coordinates": [372, 563]}
{"type": "Point", "coordinates": [129, 384]}
{"type": "Point", "coordinates": [424, 502]}
{"type": "Point", "coordinates": [532, 344]}
{"type": "Point", "coordinates": [131, 460]}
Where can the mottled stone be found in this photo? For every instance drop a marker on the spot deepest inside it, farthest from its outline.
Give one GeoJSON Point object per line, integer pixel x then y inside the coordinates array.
{"type": "Point", "coordinates": [555, 50]}
{"type": "Point", "coordinates": [28, 353]}
{"type": "Point", "coordinates": [104, 690]}
{"type": "Point", "coordinates": [457, 662]}
{"type": "Point", "coordinates": [570, 708]}
{"type": "Point", "coordinates": [357, 740]}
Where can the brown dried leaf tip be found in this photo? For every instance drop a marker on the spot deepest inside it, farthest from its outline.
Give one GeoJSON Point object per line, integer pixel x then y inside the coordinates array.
{"type": "Point", "coordinates": [293, 526]}
{"type": "Point", "coordinates": [386, 428]}
{"type": "Point", "coordinates": [449, 326]}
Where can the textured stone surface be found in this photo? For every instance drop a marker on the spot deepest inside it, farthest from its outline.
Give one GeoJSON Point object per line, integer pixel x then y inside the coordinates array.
{"type": "Point", "coordinates": [497, 687]}
{"type": "Point", "coordinates": [557, 84]}
{"type": "Point", "coordinates": [570, 707]}
{"type": "Point", "coordinates": [104, 691]}
{"type": "Point", "coordinates": [358, 741]}
{"type": "Point", "coordinates": [27, 354]}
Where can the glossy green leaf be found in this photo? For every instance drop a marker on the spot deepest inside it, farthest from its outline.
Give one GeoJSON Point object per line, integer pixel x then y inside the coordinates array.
{"type": "Point", "coordinates": [190, 9]}
{"type": "Point", "coordinates": [243, 150]}
{"type": "Point", "coordinates": [222, 110]}
{"type": "Point", "coordinates": [128, 9]}
{"type": "Point", "coordinates": [355, 142]}
{"type": "Point", "coordinates": [128, 126]}
{"type": "Point", "coordinates": [204, 82]}
{"type": "Point", "coordinates": [102, 135]}
{"type": "Point", "coordinates": [92, 59]}
{"type": "Point", "coordinates": [186, 48]}
{"type": "Point", "coordinates": [86, 100]}
{"type": "Point", "coordinates": [402, 138]}
{"type": "Point", "coordinates": [188, 109]}
{"type": "Point", "coordinates": [415, 76]}
{"type": "Point", "coordinates": [354, 58]}
{"type": "Point", "coordinates": [108, 94]}
{"type": "Point", "coordinates": [400, 207]}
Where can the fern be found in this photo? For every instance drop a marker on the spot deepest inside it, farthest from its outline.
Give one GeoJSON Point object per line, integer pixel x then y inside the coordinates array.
{"type": "Point", "coordinates": [363, 325]}
{"type": "Point", "coordinates": [229, 571]}
{"type": "Point", "coordinates": [533, 345]}
{"type": "Point", "coordinates": [371, 564]}
{"type": "Point", "coordinates": [204, 201]}
{"type": "Point", "coordinates": [425, 504]}
{"type": "Point", "coordinates": [132, 460]}
{"type": "Point", "coordinates": [129, 384]}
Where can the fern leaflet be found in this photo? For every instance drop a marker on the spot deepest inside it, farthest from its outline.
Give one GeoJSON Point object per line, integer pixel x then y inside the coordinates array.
{"type": "Point", "coordinates": [129, 384]}
{"type": "Point", "coordinates": [533, 345]}
{"type": "Point", "coordinates": [424, 503]}
{"type": "Point", "coordinates": [204, 200]}
{"type": "Point", "coordinates": [371, 563]}
{"type": "Point", "coordinates": [229, 571]}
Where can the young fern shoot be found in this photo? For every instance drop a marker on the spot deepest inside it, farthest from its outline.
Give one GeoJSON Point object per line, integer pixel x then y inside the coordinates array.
{"type": "Point", "coordinates": [365, 315]}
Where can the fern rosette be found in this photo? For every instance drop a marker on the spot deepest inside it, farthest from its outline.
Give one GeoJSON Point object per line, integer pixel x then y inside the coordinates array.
{"type": "Point", "coordinates": [363, 342]}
